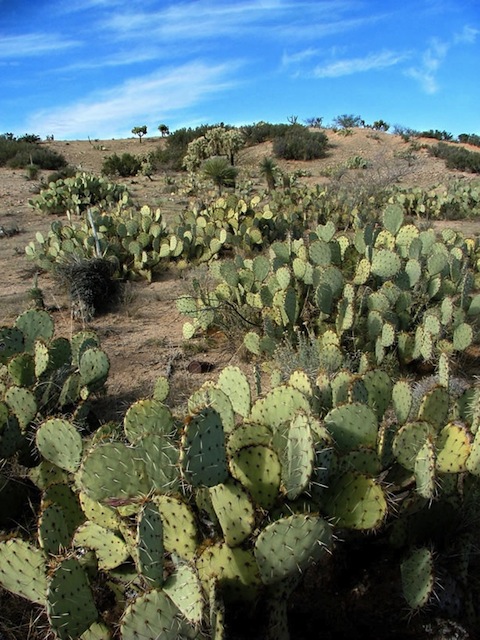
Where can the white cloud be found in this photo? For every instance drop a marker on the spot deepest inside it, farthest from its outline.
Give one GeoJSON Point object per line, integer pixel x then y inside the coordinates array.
{"type": "Point", "coordinates": [432, 58]}
{"type": "Point", "coordinates": [33, 44]}
{"type": "Point", "coordinates": [468, 35]}
{"type": "Point", "coordinates": [144, 100]}
{"type": "Point", "coordinates": [348, 66]}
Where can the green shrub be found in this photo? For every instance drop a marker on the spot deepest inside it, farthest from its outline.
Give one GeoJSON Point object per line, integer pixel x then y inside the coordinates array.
{"type": "Point", "coordinates": [124, 166]}
{"type": "Point", "coordinates": [18, 153]}
{"type": "Point", "coordinates": [457, 157]}
{"type": "Point", "coordinates": [346, 121]}
{"type": "Point", "coordinates": [263, 131]}
{"type": "Point", "coordinates": [436, 134]}
{"type": "Point", "coordinates": [298, 143]}
{"type": "Point", "coordinates": [469, 138]}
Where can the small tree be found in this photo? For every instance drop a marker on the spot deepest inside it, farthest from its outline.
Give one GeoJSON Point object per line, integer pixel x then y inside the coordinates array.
{"type": "Point", "coordinates": [221, 172]}
{"type": "Point", "coordinates": [164, 130]}
{"type": "Point", "coordinates": [315, 122]}
{"type": "Point", "coordinates": [140, 131]}
{"type": "Point", "coordinates": [380, 125]}
{"type": "Point", "coordinates": [346, 121]}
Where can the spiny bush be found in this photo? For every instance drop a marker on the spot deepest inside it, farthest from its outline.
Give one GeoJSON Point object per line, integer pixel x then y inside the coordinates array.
{"type": "Point", "coordinates": [469, 138]}
{"type": "Point", "coordinates": [125, 166]}
{"type": "Point", "coordinates": [18, 153]}
{"type": "Point", "coordinates": [457, 157]}
{"type": "Point", "coordinates": [298, 143]}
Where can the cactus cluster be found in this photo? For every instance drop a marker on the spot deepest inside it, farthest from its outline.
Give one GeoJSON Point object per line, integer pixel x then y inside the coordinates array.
{"type": "Point", "coordinates": [230, 503]}
{"type": "Point", "coordinates": [389, 289]}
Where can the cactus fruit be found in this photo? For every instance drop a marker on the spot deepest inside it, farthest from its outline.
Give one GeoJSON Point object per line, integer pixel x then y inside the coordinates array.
{"type": "Point", "coordinates": [356, 501]}
{"type": "Point", "coordinates": [234, 511]}
{"type": "Point", "coordinates": [60, 443]}
{"type": "Point", "coordinates": [23, 570]}
{"type": "Point", "coordinates": [418, 579]}
{"type": "Point", "coordinates": [290, 545]}
{"type": "Point", "coordinates": [70, 605]}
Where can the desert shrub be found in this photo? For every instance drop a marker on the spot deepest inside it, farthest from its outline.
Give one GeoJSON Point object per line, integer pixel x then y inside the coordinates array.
{"type": "Point", "coordinates": [18, 153]}
{"type": "Point", "coordinates": [346, 121]}
{"type": "Point", "coordinates": [436, 134]}
{"type": "Point", "coordinates": [220, 172]}
{"type": "Point", "coordinates": [298, 143]}
{"type": "Point", "coordinates": [262, 131]}
{"type": "Point", "coordinates": [380, 125]}
{"type": "Point", "coordinates": [124, 166]}
{"type": "Point", "coordinates": [469, 138]}
{"type": "Point", "coordinates": [170, 155]}
{"type": "Point", "coordinates": [64, 172]}
{"type": "Point", "coordinates": [406, 133]}
{"type": "Point", "coordinates": [457, 157]}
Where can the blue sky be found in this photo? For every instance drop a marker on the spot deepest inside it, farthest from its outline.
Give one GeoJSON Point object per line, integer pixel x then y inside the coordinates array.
{"type": "Point", "coordinates": [96, 68]}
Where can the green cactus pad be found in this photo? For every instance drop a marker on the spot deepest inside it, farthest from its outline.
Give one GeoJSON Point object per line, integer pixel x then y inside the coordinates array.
{"type": "Point", "coordinates": [46, 474]}
{"type": "Point", "coordinates": [393, 218]}
{"type": "Point", "coordinates": [110, 548]}
{"type": "Point", "coordinates": [161, 458]}
{"type": "Point", "coordinates": [203, 455]}
{"type": "Point", "coordinates": [473, 461]}
{"type": "Point", "coordinates": [11, 437]}
{"type": "Point", "coordinates": [298, 456]}
{"type": "Point", "coordinates": [278, 406]}
{"type": "Point", "coordinates": [462, 337]}
{"type": "Point", "coordinates": [96, 631]}
{"type": "Point", "coordinates": [179, 526]}
{"type": "Point", "coordinates": [12, 341]}
{"type": "Point", "coordinates": [22, 403]}
{"type": "Point", "coordinates": [23, 570]}
{"type": "Point", "coordinates": [35, 323]}
{"type": "Point", "coordinates": [161, 389]}
{"type": "Point", "coordinates": [63, 496]}
{"type": "Point", "coordinates": [379, 388]}
{"type": "Point", "coordinates": [234, 568]}
{"type": "Point", "coordinates": [59, 442]}
{"type": "Point", "coordinates": [153, 616]}
{"type": "Point", "coordinates": [93, 367]}
{"type": "Point", "coordinates": [145, 417]}
{"type": "Point", "coordinates": [113, 471]}
{"type": "Point", "coordinates": [99, 513]}
{"type": "Point", "coordinates": [402, 400]}
{"type": "Point", "coordinates": [364, 461]}
{"type": "Point", "coordinates": [355, 501]}
{"type": "Point", "coordinates": [213, 397]}
{"type": "Point", "coordinates": [425, 470]}
{"type": "Point", "coordinates": [234, 511]}
{"type": "Point", "coordinates": [233, 382]}
{"type": "Point", "coordinates": [290, 545]}
{"type": "Point", "coordinates": [385, 264]}
{"type": "Point", "coordinates": [53, 531]}
{"type": "Point", "coordinates": [184, 589]}
{"type": "Point", "coordinates": [418, 577]}
{"type": "Point", "coordinates": [70, 604]}
{"type": "Point", "coordinates": [409, 440]}
{"type": "Point", "coordinates": [434, 406]}
{"type": "Point", "coordinates": [150, 544]}
{"type": "Point", "coordinates": [453, 448]}
{"type": "Point", "coordinates": [258, 468]}
{"type": "Point", "coordinates": [246, 434]}
{"type": "Point", "coordinates": [352, 425]}
{"type": "Point", "coordinates": [21, 369]}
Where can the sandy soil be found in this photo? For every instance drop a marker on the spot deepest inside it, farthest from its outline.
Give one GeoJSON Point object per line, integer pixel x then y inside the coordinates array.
{"type": "Point", "coordinates": [143, 337]}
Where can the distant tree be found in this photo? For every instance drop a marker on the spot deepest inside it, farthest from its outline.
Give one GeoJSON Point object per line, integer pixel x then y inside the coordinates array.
{"type": "Point", "coordinates": [316, 122]}
{"type": "Point", "coordinates": [221, 172]}
{"type": "Point", "coordinates": [346, 121]}
{"type": "Point", "coordinates": [292, 119]}
{"type": "Point", "coordinates": [140, 131]}
{"type": "Point", "coordinates": [164, 130]}
{"type": "Point", "coordinates": [267, 170]}
{"type": "Point", "coordinates": [380, 125]}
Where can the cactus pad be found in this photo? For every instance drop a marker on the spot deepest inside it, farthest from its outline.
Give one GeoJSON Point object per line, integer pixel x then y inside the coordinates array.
{"type": "Point", "coordinates": [453, 449]}
{"type": "Point", "coordinates": [352, 425]}
{"type": "Point", "coordinates": [235, 385]}
{"type": "Point", "coordinates": [59, 442]}
{"type": "Point", "coordinates": [203, 449]}
{"type": "Point", "coordinates": [356, 502]}
{"type": "Point", "coordinates": [184, 589]}
{"type": "Point", "coordinates": [258, 468]}
{"type": "Point", "coordinates": [289, 545]}
{"type": "Point", "coordinates": [150, 544]}
{"type": "Point", "coordinates": [234, 511]}
{"type": "Point", "coordinates": [109, 548]}
{"type": "Point", "coordinates": [179, 528]}
{"type": "Point", "coordinates": [418, 578]}
{"type": "Point", "coordinates": [23, 570]}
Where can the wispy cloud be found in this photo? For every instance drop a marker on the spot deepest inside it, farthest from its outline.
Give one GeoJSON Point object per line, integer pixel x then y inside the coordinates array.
{"type": "Point", "coordinates": [349, 66]}
{"type": "Point", "coordinates": [468, 35]}
{"type": "Point", "coordinates": [34, 44]}
{"type": "Point", "coordinates": [137, 101]}
{"type": "Point", "coordinates": [425, 72]}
